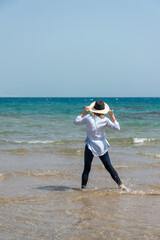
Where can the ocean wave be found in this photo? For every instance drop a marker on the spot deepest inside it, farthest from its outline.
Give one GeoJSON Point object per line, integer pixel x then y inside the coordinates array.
{"type": "Point", "coordinates": [133, 140]}
{"type": "Point", "coordinates": [8, 132]}
{"type": "Point", "coordinates": [67, 147]}
{"type": "Point", "coordinates": [22, 199]}
{"type": "Point", "coordinates": [142, 140]}
{"type": "Point", "coordinates": [89, 192]}
{"type": "Point", "coordinates": [145, 166]}
{"type": "Point", "coordinates": [115, 191]}
{"type": "Point", "coordinates": [41, 150]}
{"type": "Point", "coordinates": [45, 142]}
{"type": "Point", "coordinates": [154, 155]}
{"type": "Point", "coordinates": [34, 142]}
{"type": "Point", "coordinates": [19, 151]}
{"type": "Point", "coordinates": [27, 142]}
{"type": "Point", "coordinates": [47, 173]}
{"type": "Point", "coordinates": [141, 192]}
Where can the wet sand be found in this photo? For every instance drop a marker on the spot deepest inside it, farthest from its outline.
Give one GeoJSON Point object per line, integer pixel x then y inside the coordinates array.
{"type": "Point", "coordinates": [41, 199]}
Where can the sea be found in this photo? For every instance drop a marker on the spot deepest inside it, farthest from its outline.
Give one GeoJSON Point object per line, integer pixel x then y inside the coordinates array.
{"type": "Point", "coordinates": [41, 163]}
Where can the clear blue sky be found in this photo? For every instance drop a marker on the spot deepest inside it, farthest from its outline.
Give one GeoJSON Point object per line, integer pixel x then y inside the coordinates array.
{"type": "Point", "coordinates": [74, 48]}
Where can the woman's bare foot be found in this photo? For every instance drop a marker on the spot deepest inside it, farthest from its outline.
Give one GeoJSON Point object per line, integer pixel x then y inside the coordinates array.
{"type": "Point", "coordinates": [122, 187]}
{"type": "Point", "coordinates": [83, 188]}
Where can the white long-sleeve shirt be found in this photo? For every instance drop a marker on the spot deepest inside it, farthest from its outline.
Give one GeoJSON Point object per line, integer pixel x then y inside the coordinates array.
{"type": "Point", "coordinates": [95, 135]}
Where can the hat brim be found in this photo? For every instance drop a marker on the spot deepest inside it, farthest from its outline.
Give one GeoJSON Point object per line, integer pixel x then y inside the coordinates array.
{"type": "Point", "coordinates": [104, 111]}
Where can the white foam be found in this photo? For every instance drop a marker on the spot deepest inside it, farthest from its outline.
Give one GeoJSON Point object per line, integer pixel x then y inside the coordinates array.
{"type": "Point", "coordinates": [3, 175]}
{"type": "Point", "coordinates": [35, 142]}
{"type": "Point", "coordinates": [142, 140]}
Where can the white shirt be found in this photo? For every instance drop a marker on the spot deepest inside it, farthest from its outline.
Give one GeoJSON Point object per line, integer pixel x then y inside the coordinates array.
{"type": "Point", "coordinates": [95, 135]}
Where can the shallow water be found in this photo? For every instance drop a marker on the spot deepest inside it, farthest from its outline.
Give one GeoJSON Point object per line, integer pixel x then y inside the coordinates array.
{"type": "Point", "coordinates": [42, 199]}
{"type": "Point", "coordinates": [41, 162]}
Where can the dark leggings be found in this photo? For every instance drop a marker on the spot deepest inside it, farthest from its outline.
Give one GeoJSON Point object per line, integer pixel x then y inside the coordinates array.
{"type": "Point", "coordinates": [88, 157]}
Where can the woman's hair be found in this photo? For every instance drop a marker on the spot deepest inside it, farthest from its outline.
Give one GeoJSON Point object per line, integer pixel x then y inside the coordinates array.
{"type": "Point", "coordinates": [98, 114]}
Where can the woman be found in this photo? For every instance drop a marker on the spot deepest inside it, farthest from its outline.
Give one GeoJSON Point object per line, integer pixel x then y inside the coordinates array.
{"type": "Point", "coordinates": [96, 143]}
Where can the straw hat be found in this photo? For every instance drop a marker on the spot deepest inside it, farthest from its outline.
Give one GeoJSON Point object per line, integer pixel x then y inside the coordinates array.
{"type": "Point", "coordinates": [99, 107]}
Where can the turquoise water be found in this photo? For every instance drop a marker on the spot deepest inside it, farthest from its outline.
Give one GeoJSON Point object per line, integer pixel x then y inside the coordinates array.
{"type": "Point", "coordinates": [33, 124]}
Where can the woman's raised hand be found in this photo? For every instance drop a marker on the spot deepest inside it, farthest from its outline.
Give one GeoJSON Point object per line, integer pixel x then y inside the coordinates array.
{"type": "Point", "coordinates": [86, 110]}
{"type": "Point", "coordinates": [111, 114]}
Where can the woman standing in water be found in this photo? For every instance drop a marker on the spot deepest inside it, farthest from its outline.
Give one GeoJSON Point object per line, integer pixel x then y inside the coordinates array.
{"type": "Point", "coordinates": [96, 143]}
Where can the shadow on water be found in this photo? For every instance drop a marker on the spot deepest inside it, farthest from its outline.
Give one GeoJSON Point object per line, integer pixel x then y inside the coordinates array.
{"type": "Point", "coordinates": [57, 188]}
{"type": "Point", "coordinates": [100, 191]}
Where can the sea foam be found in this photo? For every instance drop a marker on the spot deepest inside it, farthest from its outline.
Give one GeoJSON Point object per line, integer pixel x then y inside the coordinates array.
{"type": "Point", "coordinates": [142, 140]}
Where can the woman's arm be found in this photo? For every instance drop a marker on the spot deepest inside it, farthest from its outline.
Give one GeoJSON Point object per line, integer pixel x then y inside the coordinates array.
{"type": "Point", "coordinates": [80, 119]}
{"type": "Point", "coordinates": [113, 125]}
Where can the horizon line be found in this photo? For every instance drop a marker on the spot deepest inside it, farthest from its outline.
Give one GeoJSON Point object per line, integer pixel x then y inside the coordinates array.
{"type": "Point", "coordinates": [79, 97]}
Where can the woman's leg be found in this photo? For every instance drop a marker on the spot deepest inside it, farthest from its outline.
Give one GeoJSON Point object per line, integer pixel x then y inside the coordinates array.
{"type": "Point", "coordinates": [88, 157]}
{"type": "Point", "coordinates": [107, 163]}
